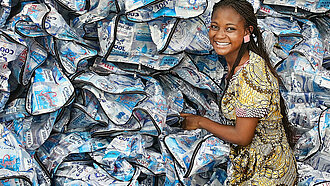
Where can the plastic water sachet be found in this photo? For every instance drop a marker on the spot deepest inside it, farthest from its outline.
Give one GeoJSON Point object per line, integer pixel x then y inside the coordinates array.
{"type": "Point", "coordinates": [118, 107]}
{"type": "Point", "coordinates": [195, 153]}
{"type": "Point", "coordinates": [50, 89]}
{"type": "Point", "coordinates": [167, 8]}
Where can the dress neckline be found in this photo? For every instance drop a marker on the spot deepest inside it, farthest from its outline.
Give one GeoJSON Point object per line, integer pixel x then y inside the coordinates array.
{"type": "Point", "coordinates": [240, 69]}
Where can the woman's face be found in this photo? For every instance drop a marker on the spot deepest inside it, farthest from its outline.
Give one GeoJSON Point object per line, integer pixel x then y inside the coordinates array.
{"type": "Point", "coordinates": [226, 32]}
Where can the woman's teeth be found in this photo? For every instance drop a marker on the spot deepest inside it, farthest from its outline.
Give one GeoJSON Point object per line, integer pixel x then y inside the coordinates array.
{"type": "Point", "coordinates": [222, 44]}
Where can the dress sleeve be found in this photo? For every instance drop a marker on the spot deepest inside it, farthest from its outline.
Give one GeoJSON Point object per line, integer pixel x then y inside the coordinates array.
{"type": "Point", "coordinates": [254, 92]}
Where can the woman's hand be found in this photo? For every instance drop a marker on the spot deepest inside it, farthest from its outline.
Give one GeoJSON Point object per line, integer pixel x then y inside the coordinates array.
{"type": "Point", "coordinates": [191, 121]}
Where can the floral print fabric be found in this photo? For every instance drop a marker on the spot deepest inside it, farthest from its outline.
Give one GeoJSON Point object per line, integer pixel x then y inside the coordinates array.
{"type": "Point", "coordinates": [268, 160]}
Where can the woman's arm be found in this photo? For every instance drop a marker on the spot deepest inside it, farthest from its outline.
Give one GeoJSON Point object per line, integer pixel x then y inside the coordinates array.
{"type": "Point", "coordinates": [240, 134]}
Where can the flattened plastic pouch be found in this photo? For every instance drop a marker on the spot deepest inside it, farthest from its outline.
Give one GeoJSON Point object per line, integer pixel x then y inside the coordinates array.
{"type": "Point", "coordinates": [320, 160]}
{"type": "Point", "coordinates": [319, 6]}
{"type": "Point", "coordinates": [112, 129]}
{"type": "Point", "coordinates": [101, 11]}
{"type": "Point", "coordinates": [76, 6]}
{"type": "Point", "coordinates": [83, 172]}
{"type": "Point", "coordinates": [4, 97]}
{"type": "Point", "coordinates": [36, 56]}
{"type": "Point", "coordinates": [197, 101]}
{"type": "Point", "coordinates": [35, 12]}
{"type": "Point", "coordinates": [218, 177]}
{"type": "Point", "coordinates": [29, 29]}
{"type": "Point", "coordinates": [112, 83]}
{"type": "Point", "coordinates": [167, 8]}
{"type": "Point", "coordinates": [304, 117]}
{"type": "Point", "coordinates": [55, 25]}
{"type": "Point", "coordinates": [151, 162]}
{"type": "Point", "coordinates": [59, 146]}
{"type": "Point", "coordinates": [200, 43]}
{"type": "Point", "coordinates": [304, 97]}
{"type": "Point", "coordinates": [212, 65]}
{"type": "Point", "coordinates": [80, 120]}
{"type": "Point", "coordinates": [16, 163]}
{"type": "Point", "coordinates": [304, 82]}
{"type": "Point", "coordinates": [14, 110]}
{"type": "Point", "coordinates": [136, 4]}
{"type": "Point", "coordinates": [51, 21]}
{"type": "Point", "coordinates": [132, 43]}
{"type": "Point", "coordinates": [174, 101]}
{"type": "Point", "coordinates": [62, 120]}
{"type": "Point", "coordinates": [113, 159]}
{"type": "Point", "coordinates": [154, 106]}
{"type": "Point", "coordinates": [162, 29]}
{"type": "Point", "coordinates": [171, 173]}
{"type": "Point", "coordinates": [321, 83]}
{"type": "Point", "coordinates": [50, 89]}
{"type": "Point", "coordinates": [310, 142]}
{"type": "Point", "coordinates": [148, 180]}
{"type": "Point", "coordinates": [5, 11]}
{"type": "Point", "coordinates": [310, 176]}
{"type": "Point", "coordinates": [9, 50]}
{"type": "Point", "coordinates": [92, 108]}
{"type": "Point", "coordinates": [266, 10]}
{"type": "Point", "coordinates": [312, 46]}
{"type": "Point", "coordinates": [195, 153]}
{"type": "Point", "coordinates": [47, 42]}
{"type": "Point", "coordinates": [297, 63]}
{"type": "Point", "coordinates": [188, 71]}
{"type": "Point", "coordinates": [101, 66]}
{"type": "Point", "coordinates": [148, 125]}
{"type": "Point", "coordinates": [206, 15]}
{"type": "Point", "coordinates": [190, 35]}
{"type": "Point", "coordinates": [288, 42]}
{"type": "Point", "coordinates": [71, 54]}
{"type": "Point", "coordinates": [173, 36]}
{"type": "Point", "coordinates": [33, 131]}
{"type": "Point", "coordinates": [106, 32]}
{"type": "Point", "coordinates": [118, 107]}
{"type": "Point", "coordinates": [4, 84]}
{"type": "Point", "coordinates": [283, 26]}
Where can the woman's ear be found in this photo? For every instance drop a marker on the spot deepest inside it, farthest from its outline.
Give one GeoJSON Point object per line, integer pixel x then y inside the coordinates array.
{"type": "Point", "coordinates": [248, 32]}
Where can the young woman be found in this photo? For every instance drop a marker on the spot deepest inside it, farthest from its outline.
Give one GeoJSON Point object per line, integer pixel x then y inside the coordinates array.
{"type": "Point", "coordinates": [260, 152]}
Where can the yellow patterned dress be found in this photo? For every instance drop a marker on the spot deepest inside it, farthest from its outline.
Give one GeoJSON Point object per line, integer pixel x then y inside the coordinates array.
{"type": "Point", "coordinates": [254, 92]}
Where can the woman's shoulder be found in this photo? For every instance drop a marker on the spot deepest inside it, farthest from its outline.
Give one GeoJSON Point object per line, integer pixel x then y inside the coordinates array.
{"type": "Point", "coordinates": [258, 74]}
{"type": "Point", "coordinates": [256, 60]}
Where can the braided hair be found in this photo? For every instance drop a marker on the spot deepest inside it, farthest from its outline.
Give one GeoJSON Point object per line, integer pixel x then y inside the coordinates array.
{"type": "Point", "coordinates": [245, 9]}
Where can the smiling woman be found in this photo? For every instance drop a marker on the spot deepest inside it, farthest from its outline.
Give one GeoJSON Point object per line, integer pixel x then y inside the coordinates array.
{"type": "Point", "coordinates": [227, 32]}
{"type": "Point", "coordinates": [260, 152]}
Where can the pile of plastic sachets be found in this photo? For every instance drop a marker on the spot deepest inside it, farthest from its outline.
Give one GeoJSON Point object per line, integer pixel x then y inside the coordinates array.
{"type": "Point", "coordinates": [91, 91]}
{"type": "Point", "coordinates": [297, 35]}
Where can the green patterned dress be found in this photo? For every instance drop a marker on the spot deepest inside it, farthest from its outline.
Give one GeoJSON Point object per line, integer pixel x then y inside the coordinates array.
{"type": "Point", "coordinates": [267, 160]}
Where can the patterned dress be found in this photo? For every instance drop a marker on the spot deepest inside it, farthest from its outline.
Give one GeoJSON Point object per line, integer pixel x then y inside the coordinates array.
{"type": "Point", "coordinates": [268, 160]}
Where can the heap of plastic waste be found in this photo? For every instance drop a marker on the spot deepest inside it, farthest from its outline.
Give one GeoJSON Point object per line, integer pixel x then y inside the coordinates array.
{"type": "Point", "coordinates": [91, 91]}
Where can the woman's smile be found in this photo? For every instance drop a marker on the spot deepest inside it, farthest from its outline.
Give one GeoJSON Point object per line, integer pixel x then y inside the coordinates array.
{"type": "Point", "coordinates": [222, 44]}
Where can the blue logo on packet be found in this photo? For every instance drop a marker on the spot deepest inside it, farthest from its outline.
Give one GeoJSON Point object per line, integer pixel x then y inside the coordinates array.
{"type": "Point", "coordinates": [168, 60]}
{"type": "Point", "coordinates": [323, 4]}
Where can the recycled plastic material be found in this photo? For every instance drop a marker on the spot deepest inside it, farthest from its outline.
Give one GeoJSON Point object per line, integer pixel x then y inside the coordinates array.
{"type": "Point", "coordinates": [91, 91]}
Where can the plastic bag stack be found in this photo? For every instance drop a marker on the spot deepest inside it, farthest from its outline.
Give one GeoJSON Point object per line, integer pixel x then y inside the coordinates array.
{"type": "Point", "coordinates": [91, 91]}
{"type": "Point", "coordinates": [297, 37]}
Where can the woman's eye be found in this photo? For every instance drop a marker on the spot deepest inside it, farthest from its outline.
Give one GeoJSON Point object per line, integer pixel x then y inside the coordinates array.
{"type": "Point", "coordinates": [230, 29]}
{"type": "Point", "coordinates": [214, 27]}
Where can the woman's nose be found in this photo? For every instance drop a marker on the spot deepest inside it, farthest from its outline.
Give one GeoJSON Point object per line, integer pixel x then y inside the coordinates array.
{"type": "Point", "coordinates": [220, 34]}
